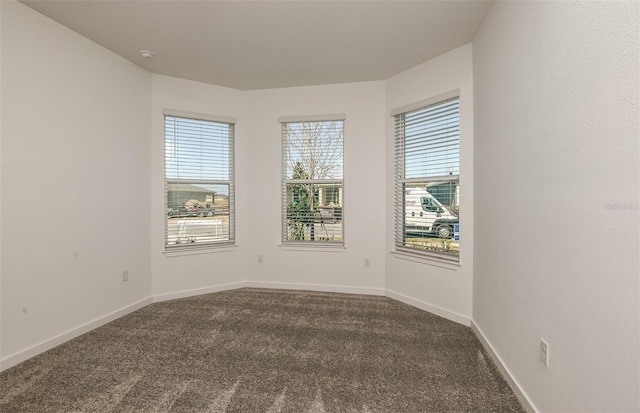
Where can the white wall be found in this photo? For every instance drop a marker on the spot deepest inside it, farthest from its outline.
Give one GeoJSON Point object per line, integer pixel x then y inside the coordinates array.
{"type": "Point", "coordinates": [556, 146]}
{"type": "Point", "coordinates": [443, 291]}
{"type": "Point", "coordinates": [0, 186]}
{"type": "Point", "coordinates": [190, 274]}
{"type": "Point", "coordinates": [258, 155]}
{"type": "Point", "coordinates": [557, 152]}
{"type": "Point", "coordinates": [75, 180]}
{"type": "Point", "coordinates": [364, 192]}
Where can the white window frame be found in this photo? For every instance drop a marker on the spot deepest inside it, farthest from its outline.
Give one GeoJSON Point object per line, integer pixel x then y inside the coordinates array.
{"type": "Point", "coordinates": [210, 246]}
{"type": "Point", "coordinates": [325, 245]}
{"type": "Point", "coordinates": [401, 250]}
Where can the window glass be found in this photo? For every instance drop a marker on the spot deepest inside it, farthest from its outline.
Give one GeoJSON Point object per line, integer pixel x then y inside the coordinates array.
{"type": "Point", "coordinates": [312, 182]}
{"type": "Point", "coordinates": [427, 180]}
{"type": "Point", "coordinates": [199, 187]}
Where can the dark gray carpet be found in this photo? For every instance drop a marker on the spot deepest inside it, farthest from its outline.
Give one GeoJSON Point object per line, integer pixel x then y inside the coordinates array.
{"type": "Point", "coordinates": [267, 351]}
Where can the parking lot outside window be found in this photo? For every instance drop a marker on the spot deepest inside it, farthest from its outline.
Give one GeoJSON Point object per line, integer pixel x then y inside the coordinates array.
{"type": "Point", "coordinates": [427, 178]}
{"type": "Point", "coordinates": [199, 181]}
{"type": "Point", "coordinates": [312, 181]}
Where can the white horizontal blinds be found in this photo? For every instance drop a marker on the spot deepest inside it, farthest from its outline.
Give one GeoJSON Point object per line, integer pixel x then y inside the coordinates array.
{"type": "Point", "coordinates": [432, 140]}
{"type": "Point", "coordinates": [312, 182]}
{"type": "Point", "coordinates": [427, 169]}
{"type": "Point", "coordinates": [399, 176]}
{"type": "Point", "coordinates": [197, 149]}
{"type": "Point", "coordinates": [199, 183]}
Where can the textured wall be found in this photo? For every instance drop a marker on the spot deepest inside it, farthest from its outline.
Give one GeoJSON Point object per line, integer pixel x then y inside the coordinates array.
{"type": "Point", "coordinates": [445, 291]}
{"type": "Point", "coordinates": [557, 154]}
{"type": "Point", "coordinates": [192, 273]}
{"type": "Point", "coordinates": [75, 180]}
{"type": "Point", "coordinates": [363, 196]}
{"type": "Point", "coordinates": [0, 176]}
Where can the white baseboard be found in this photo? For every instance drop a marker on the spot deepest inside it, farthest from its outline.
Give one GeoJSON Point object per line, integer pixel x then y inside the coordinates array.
{"type": "Point", "coordinates": [198, 291]}
{"type": "Point", "coordinates": [32, 351]}
{"type": "Point", "coordinates": [316, 287]}
{"type": "Point", "coordinates": [434, 309]}
{"type": "Point", "coordinates": [513, 383]}
{"type": "Point", "coordinates": [48, 344]}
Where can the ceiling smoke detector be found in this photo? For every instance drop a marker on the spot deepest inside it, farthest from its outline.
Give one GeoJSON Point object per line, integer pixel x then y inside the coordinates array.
{"type": "Point", "coordinates": [145, 54]}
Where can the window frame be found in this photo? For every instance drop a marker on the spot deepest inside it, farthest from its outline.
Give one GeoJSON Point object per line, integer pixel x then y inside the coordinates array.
{"type": "Point", "coordinates": [210, 246]}
{"type": "Point", "coordinates": [316, 244]}
{"type": "Point", "coordinates": [400, 249]}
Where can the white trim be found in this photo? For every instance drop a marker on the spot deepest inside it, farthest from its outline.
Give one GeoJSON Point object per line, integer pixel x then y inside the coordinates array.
{"type": "Point", "coordinates": [423, 258]}
{"type": "Point", "coordinates": [210, 249]}
{"type": "Point", "coordinates": [513, 383]}
{"type": "Point", "coordinates": [310, 247]}
{"type": "Point", "coordinates": [197, 291]}
{"type": "Point", "coordinates": [426, 102]}
{"type": "Point", "coordinates": [313, 118]}
{"type": "Point", "coordinates": [56, 340]}
{"type": "Point", "coordinates": [433, 309]}
{"type": "Point", "coordinates": [23, 355]}
{"type": "Point", "coordinates": [327, 288]}
{"type": "Point", "coordinates": [198, 116]}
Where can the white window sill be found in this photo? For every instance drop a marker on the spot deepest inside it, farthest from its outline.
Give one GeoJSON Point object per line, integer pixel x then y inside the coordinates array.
{"type": "Point", "coordinates": [180, 252]}
{"type": "Point", "coordinates": [427, 259]}
{"type": "Point", "coordinates": [312, 248]}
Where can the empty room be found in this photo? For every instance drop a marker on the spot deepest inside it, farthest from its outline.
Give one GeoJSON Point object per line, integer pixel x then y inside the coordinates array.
{"type": "Point", "coordinates": [319, 206]}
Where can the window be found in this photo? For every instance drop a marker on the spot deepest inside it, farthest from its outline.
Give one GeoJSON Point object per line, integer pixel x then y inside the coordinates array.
{"type": "Point", "coordinates": [427, 178]}
{"type": "Point", "coordinates": [199, 183]}
{"type": "Point", "coordinates": [312, 182]}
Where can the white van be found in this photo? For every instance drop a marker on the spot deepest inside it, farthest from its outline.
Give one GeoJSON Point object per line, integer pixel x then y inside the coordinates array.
{"type": "Point", "coordinates": [423, 214]}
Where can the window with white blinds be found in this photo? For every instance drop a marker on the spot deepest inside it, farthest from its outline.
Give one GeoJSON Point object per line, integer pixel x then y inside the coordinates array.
{"type": "Point", "coordinates": [312, 182]}
{"type": "Point", "coordinates": [427, 180]}
{"type": "Point", "coordinates": [199, 183]}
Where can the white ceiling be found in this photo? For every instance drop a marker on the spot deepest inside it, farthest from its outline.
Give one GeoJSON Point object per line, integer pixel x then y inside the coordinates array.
{"type": "Point", "coordinates": [269, 44]}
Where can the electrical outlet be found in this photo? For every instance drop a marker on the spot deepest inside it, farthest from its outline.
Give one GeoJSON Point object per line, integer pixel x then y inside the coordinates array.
{"type": "Point", "coordinates": [260, 259]}
{"type": "Point", "coordinates": [125, 275]}
{"type": "Point", "coordinates": [544, 352]}
{"type": "Point", "coordinates": [367, 262]}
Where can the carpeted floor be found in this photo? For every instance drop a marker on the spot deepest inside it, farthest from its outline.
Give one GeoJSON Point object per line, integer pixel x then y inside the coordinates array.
{"type": "Point", "coordinates": [266, 351]}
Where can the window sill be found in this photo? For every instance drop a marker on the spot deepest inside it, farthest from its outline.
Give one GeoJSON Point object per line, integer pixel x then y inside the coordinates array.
{"type": "Point", "coordinates": [198, 251]}
{"type": "Point", "coordinates": [312, 248]}
{"type": "Point", "coordinates": [427, 259]}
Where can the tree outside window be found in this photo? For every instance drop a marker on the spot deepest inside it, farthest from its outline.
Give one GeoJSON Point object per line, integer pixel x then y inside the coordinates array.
{"type": "Point", "coordinates": [312, 181]}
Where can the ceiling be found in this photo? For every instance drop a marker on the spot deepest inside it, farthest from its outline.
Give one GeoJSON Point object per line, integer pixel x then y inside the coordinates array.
{"type": "Point", "coordinates": [270, 44]}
